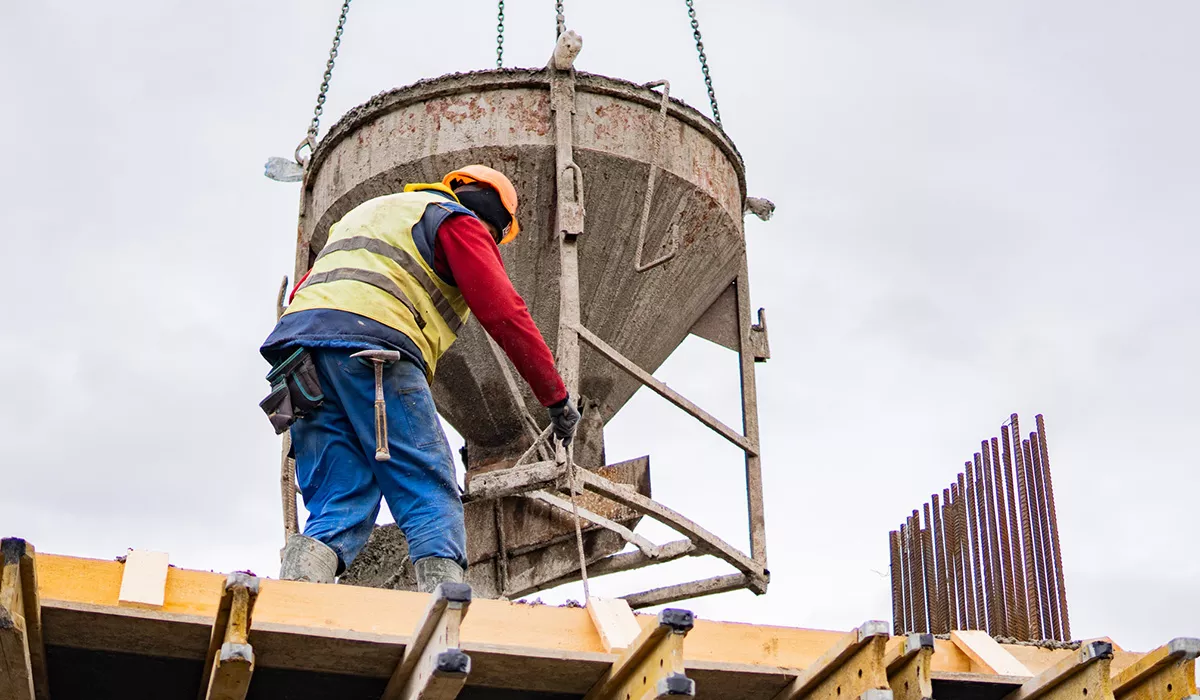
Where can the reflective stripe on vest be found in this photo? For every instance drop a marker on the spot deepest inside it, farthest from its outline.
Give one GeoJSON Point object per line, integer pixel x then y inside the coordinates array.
{"type": "Point", "coordinates": [405, 260]}
{"type": "Point", "coordinates": [373, 266]}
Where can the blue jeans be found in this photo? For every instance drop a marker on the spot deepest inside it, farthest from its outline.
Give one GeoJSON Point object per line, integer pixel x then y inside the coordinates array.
{"type": "Point", "coordinates": [342, 483]}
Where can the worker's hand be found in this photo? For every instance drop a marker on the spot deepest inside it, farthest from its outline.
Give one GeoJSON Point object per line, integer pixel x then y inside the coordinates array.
{"type": "Point", "coordinates": [564, 417]}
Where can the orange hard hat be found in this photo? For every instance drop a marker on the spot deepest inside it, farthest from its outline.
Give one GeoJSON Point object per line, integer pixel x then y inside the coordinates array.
{"type": "Point", "coordinates": [498, 182]}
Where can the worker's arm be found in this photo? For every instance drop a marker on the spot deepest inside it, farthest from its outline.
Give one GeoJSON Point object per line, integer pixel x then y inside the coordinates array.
{"type": "Point", "coordinates": [466, 250]}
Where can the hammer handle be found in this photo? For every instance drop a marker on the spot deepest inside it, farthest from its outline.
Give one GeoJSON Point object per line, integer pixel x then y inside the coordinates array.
{"type": "Point", "coordinates": [382, 454]}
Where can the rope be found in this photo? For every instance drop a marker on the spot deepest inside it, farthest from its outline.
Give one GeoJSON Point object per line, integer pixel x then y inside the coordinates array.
{"type": "Point", "coordinates": [571, 467]}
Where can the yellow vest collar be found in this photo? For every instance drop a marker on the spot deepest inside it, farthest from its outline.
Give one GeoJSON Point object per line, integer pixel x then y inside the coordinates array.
{"type": "Point", "coordinates": [435, 186]}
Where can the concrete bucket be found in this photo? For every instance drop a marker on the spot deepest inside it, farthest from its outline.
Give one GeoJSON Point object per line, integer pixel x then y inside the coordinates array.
{"type": "Point", "coordinates": [630, 142]}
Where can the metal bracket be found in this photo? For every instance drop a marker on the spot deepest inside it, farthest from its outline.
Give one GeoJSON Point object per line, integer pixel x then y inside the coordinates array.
{"type": "Point", "coordinates": [514, 481]}
{"type": "Point", "coordinates": [854, 667]}
{"type": "Point", "coordinates": [1167, 672]}
{"type": "Point", "coordinates": [229, 664]}
{"type": "Point", "coordinates": [433, 667]}
{"type": "Point", "coordinates": [22, 650]}
{"type": "Point", "coordinates": [643, 544]}
{"type": "Point", "coordinates": [759, 343]}
{"type": "Point", "coordinates": [571, 211]}
{"type": "Point", "coordinates": [652, 665]}
{"type": "Point", "coordinates": [1086, 673]}
{"type": "Point", "coordinates": [658, 147]}
{"type": "Point", "coordinates": [908, 665]}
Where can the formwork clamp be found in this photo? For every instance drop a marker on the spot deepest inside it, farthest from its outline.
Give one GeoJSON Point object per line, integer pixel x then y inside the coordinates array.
{"type": "Point", "coordinates": [854, 667]}
{"type": "Point", "coordinates": [433, 667]}
{"type": "Point", "coordinates": [651, 667]}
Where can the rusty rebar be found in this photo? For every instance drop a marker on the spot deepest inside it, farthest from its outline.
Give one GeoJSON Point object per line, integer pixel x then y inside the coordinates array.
{"type": "Point", "coordinates": [931, 587]}
{"type": "Point", "coordinates": [910, 610]}
{"type": "Point", "coordinates": [1009, 628]}
{"type": "Point", "coordinates": [1014, 523]}
{"type": "Point", "coordinates": [1031, 478]}
{"type": "Point", "coordinates": [897, 588]}
{"type": "Point", "coordinates": [964, 552]}
{"type": "Point", "coordinates": [1058, 567]}
{"type": "Point", "coordinates": [918, 569]}
{"type": "Point", "coordinates": [978, 546]}
{"type": "Point", "coordinates": [1033, 608]}
{"type": "Point", "coordinates": [1046, 560]}
{"type": "Point", "coordinates": [942, 623]}
{"type": "Point", "coordinates": [950, 544]}
{"type": "Point", "coordinates": [988, 512]}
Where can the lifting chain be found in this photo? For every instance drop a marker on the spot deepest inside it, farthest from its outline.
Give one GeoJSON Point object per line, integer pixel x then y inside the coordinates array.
{"type": "Point", "coordinates": [712, 96]}
{"type": "Point", "coordinates": [313, 128]}
{"type": "Point", "coordinates": [560, 20]}
{"type": "Point", "coordinates": [500, 35]}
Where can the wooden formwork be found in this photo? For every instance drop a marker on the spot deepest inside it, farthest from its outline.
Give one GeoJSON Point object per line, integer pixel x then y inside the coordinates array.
{"type": "Point", "coordinates": [85, 628]}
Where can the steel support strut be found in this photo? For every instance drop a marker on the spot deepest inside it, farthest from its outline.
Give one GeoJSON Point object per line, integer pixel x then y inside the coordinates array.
{"type": "Point", "coordinates": [433, 667]}
{"type": "Point", "coordinates": [22, 651]}
{"type": "Point", "coordinates": [854, 667]}
{"type": "Point", "coordinates": [229, 664]}
{"type": "Point", "coordinates": [652, 665]}
{"type": "Point", "coordinates": [1084, 674]}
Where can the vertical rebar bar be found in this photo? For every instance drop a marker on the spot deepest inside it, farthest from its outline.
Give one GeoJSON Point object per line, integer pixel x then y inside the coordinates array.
{"type": "Point", "coordinates": [1031, 478]}
{"type": "Point", "coordinates": [919, 588]}
{"type": "Point", "coordinates": [1010, 626]}
{"type": "Point", "coordinates": [897, 589]}
{"type": "Point", "coordinates": [997, 569]}
{"type": "Point", "coordinates": [931, 587]}
{"type": "Point", "coordinates": [964, 555]}
{"type": "Point", "coordinates": [976, 547]}
{"type": "Point", "coordinates": [906, 578]}
{"type": "Point", "coordinates": [1058, 567]}
{"type": "Point", "coordinates": [1014, 524]}
{"type": "Point", "coordinates": [1046, 559]}
{"type": "Point", "coordinates": [950, 544]}
{"type": "Point", "coordinates": [1033, 608]}
{"type": "Point", "coordinates": [989, 610]}
{"type": "Point", "coordinates": [942, 624]}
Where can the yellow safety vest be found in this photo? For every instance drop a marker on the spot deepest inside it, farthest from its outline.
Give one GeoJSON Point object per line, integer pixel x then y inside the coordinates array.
{"type": "Point", "coordinates": [378, 263]}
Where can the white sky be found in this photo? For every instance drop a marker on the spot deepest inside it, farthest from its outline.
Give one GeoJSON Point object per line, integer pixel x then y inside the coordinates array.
{"type": "Point", "coordinates": [983, 207]}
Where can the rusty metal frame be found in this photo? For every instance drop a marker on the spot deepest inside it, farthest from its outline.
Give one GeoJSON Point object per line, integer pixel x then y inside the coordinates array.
{"type": "Point", "coordinates": [540, 479]}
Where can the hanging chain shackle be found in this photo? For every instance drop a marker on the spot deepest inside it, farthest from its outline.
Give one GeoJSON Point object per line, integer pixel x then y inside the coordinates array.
{"type": "Point", "coordinates": [560, 20]}
{"type": "Point", "coordinates": [500, 35]}
{"type": "Point", "coordinates": [314, 127]}
{"type": "Point", "coordinates": [712, 96]}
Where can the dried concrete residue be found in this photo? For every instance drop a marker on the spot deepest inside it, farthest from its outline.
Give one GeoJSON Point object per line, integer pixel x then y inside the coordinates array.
{"type": "Point", "coordinates": [1042, 644]}
{"type": "Point", "coordinates": [383, 562]}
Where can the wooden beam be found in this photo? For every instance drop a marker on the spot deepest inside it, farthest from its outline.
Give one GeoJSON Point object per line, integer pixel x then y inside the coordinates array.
{"type": "Point", "coordinates": [144, 578]}
{"type": "Point", "coordinates": [1084, 674]}
{"type": "Point", "coordinates": [908, 661]}
{"type": "Point", "coordinates": [229, 664]}
{"type": "Point", "coordinates": [22, 650]}
{"type": "Point", "coordinates": [652, 665]}
{"type": "Point", "coordinates": [433, 666]}
{"type": "Point", "coordinates": [986, 655]}
{"type": "Point", "coordinates": [1167, 672]}
{"type": "Point", "coordinates": [615, 622]}
{"type": "Point", "coordinates": [852, 668]}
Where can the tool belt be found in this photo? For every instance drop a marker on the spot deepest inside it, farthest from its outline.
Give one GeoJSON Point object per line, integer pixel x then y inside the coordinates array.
{"type": "Point", "coordinates": [295, 391]}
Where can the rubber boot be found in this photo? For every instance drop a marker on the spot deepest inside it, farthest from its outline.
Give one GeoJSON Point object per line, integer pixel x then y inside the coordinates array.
{"type": "Point", "coordinates": [306, 559]}
{"type": "Point", "coordinates": [434, 570]}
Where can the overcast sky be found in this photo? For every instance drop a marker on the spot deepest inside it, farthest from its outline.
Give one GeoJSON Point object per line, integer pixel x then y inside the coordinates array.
{"type": "Point", "coordinates": [983, 207]}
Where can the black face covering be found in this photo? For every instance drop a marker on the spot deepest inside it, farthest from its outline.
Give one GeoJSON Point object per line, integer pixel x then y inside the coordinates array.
{"type": "Point", "coordinates": [486, 204]}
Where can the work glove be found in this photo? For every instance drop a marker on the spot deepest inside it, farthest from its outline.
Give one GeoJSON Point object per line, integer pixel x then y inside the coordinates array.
{"type": "Point", "coordinates": [564, 417]}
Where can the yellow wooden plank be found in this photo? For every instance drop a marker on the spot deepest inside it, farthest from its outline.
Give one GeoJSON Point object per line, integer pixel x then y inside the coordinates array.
{"type": "Point", "coordinates": [986, 655]}
{"type": "Point", "coordinates": [144, 579]}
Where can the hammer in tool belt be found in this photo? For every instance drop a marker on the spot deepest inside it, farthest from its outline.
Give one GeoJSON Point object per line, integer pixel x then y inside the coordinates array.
{"type": "Point", "coordinates": [380, 358]}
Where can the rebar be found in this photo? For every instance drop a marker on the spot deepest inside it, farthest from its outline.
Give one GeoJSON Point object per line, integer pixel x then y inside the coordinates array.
{"type": "Point", "coordinates": [897, 588]}
{"type": "Point", "coordinates": [1033, 607]}
{"type": "Point", "coordinates": [1058, 566]}
{"type": "Point", "coordinates": [984, 554]}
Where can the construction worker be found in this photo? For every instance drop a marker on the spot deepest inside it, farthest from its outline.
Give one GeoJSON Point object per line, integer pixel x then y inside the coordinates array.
{"type": "Point", "coordinates": [402, 273]}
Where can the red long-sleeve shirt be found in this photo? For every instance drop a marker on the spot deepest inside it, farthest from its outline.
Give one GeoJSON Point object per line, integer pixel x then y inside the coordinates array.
{"type": "Point", "coordinates": [465, 252]}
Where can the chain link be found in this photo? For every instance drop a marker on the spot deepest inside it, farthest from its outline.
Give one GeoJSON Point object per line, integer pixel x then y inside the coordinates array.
{"type": "Point", "coordinates": [500, 35]}
{"type": "Point", "coordinates": [315, 126]}
{"type": "Point", "coordinates": [560, 19]}
{"type": "Point", "coordinates": [712, 96]}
